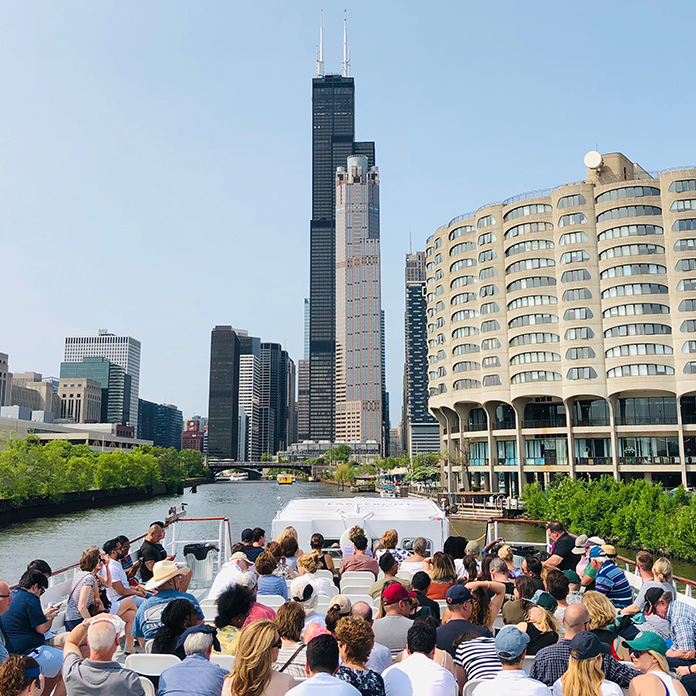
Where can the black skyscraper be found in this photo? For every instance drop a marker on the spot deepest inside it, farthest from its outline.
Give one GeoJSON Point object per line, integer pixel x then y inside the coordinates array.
{"type": "Point", "coordinates": [333, 121]}
{"type": "Point", "coordinates": [223, 405]}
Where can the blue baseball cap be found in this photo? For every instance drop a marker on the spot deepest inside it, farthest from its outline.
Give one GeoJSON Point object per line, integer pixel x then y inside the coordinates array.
{"type": "Point", "coordinates": [458, 594]}
{"type": "Point", "coordinates": [598, 552]}
{"type": "Point", "coordinates": [511, 642]}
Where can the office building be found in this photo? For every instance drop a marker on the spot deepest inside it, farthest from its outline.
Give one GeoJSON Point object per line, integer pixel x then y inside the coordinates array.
{"type": "Point", "coordinates": [120, 350]}
{"type": "Point", "coordinates": [562, 330]}
{"type": "Point", "coordinates": [386, 423]}
{"type": "Point", "coordinates": [291, 401]}
{"type": "Point", "coordinates": [5, 380]}
{"type": "Point", "coordinates": [420, 430]}
{"type": "Point", "coordinates": [147, 420]}
{"type": "Point", "coordinates": [249, 444]}
{"type": "Point", "coordinates": [223, 402]}
{"type": "Point", "coordinates": [333, 141]}
{"type": "Point", "coordinates": [80, 400]}
{"type": "Point", "coordinates": [193, 436]}
{"type": "Point", "coordinates": [302, 400]}
{"type": "Point", "coordinates": [168, 426]}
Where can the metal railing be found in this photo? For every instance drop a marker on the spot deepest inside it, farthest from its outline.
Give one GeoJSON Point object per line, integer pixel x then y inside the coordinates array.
{"type": "Point", "coordinates": [558, 423]}
{"type": "Point", "coordinates": [538, 193]}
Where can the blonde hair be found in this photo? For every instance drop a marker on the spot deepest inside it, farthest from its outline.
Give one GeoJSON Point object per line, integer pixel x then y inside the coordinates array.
{"type": "Point", "coordinates": [582, 678]}
{"type": "Point", "coordinates": [287, 532]}
{"type": "Point", "coordinates": [309, 562]}
{"type": "Point", "coordinates": [253, 659]}
{"type": "Point", "coordinates": [505, 552]}
{"type": "Point", "coordinates": [443, 569]}
{"type": "Point", "coordinates": [662, 570]}
{"type": "Point", "coordinates": [390, 539]}
{"type": "Point", "coordinates": [545, 622]}
{"type": "Point", "coordinates": [661, 661]}
{"type": "Point", "coordinates": [602, 611]}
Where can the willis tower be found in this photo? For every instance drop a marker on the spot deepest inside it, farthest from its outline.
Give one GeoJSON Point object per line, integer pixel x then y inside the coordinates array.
{"type": "Point", "coordinates": [333, 141]}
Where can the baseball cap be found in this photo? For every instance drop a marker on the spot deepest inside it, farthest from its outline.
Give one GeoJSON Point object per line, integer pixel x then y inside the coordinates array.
{"type": "Point", "coordinates": [247, 535]}
{"type": "Point", "coordinates": [396, 593]}
{"type": "Point", "coordinates": [458, 594]}
{"type": "Point", "coordinates": [646, 640]}
{"type": "Point", "coordinates": [597, 552]}
{"type": "Point", "coordinates": [511, 642]}
{"type": "Point", "coordinates": [586, 645]}
{"type": "Point", "coordinates": [544, 600]}
{"type": "Point", "coordinates": [572, 576]}
{"type": "Point", "coordinates": [473, 547]}
{"type": "Point", "coordinates": [247, 579]}
{"type": "Point", "coordinates": [342, 602]}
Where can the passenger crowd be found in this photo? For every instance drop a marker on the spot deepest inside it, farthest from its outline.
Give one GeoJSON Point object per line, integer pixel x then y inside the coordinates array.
{"type": "Point", "coordinates": [572, 626]}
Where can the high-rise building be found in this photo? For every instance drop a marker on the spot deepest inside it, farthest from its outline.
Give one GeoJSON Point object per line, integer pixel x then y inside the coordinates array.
{"type": "Point", "coordinates": [168, 426]}
{"type": "Point", "coordinates": [249, 397]}
{"type": "Point", "coordinates": [5, 380]}
{"type": "Point", "coordinates": [303, 383]}
{"type": "Point", "coordinates": [333, 141]}
{"type": "Point", "coordinates": [120, 350]}
{"type": "Point", "coordinates": [193, 436]}
{"type": "Point", "coordinates": [561, 328]}
{"type": "Point", "coordinates": [80, 400]}
{"type": "Point", "coordinates": [359, 390]}
{"type": "Point", "coordinates": [291, 401]}
{"type": "Point", "coordinates": [421, 433]}
{"type": "Point", "coordinates": [277, 398]}
{"type": "Point", "coordinates": [147, 419]}
{"type": "Point", "coordinates": [116, 385]}
{"type": "Point", "coordinates": [223, 402]}
{"type": "Point", "coordinates": [386, 424]}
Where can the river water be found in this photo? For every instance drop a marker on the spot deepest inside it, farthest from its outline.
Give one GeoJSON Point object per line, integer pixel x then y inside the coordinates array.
{"type": "Point", "coordinates": [60, 540]}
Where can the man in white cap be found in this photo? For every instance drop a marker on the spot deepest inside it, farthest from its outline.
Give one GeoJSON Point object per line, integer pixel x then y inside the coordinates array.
{"type": "Point", "coordinates": [166, 579]}
{"type": "Point", "coordinates": [230, 571]}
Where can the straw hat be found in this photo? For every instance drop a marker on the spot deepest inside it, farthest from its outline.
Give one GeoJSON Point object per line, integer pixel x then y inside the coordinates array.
{"type": "Point", "coordinates": [161, 572]}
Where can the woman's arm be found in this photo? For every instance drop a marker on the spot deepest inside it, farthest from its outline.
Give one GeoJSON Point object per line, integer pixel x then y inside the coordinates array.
{"type": "Point", "coordinates": [105, 579]}
{"type": "Point", "coordinates": [83, 600]}
{"type": "Point", "coordinates": [329, 563]}
{"type": "Point", "coordinates": [497, 601]}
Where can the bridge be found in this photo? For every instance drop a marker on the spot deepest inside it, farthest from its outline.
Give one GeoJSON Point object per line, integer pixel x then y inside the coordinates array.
{"type": "Point", "coordinates": [218, 465]}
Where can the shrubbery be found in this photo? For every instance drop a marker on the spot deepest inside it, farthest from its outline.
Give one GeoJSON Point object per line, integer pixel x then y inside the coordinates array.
{"type": "Point", "coordinates": [637, 514]}
{"type": "Point", "coordinates": [29, 469]}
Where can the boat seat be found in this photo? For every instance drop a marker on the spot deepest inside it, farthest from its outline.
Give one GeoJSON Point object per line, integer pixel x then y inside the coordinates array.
{"type": "Point", "coordinates": [208, 602]}
{"type": "Point", "coordinates": [362, 598]}
{"type": "Point", "coordinates": [356, 582]}
{"type": "Point", "coordinates": [323, 573]}
{"type": "Point", "coordinates": [354, 589]}
{"type": "Point", "coordinates": [148, 686]}
{"type": "Point", "coordinates": [323, 604]}
{"type": "Point", "coordinates": [150, 665]}
{"type": "Point", "coordinates": [209, 612]}
{"type": "Point", "coordinates": [271, 600]}
{"type": "Point", "coordinates": [469, 687]}
{"type": "Point", "coordinates": [358, 574]}
{"type": "Point", "coordinates": [528, 662]}
{"type": "Point", "coordinates": [225, 661]}
{"type": "Point", "coordinates": [333, 591]}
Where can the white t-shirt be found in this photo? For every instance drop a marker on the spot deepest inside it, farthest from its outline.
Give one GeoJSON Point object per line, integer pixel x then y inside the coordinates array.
{"type": "Point", "coordinates": [117, 575]}
{"type": "Point", "coordinates": [418, 675]}
{"type": "Point", "coordinates": [324, 683]}
{"type": "Point", "coordinates": [226, 578]}
{"type": "Point", "coordinates": [512, 682]}
{"type": "Point", "coordinates": [606, 687]}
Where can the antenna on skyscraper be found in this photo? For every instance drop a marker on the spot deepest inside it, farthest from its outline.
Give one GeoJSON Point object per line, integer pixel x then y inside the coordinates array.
{"type": "Point", "coordinates": [346, 49]}
{"type": "Point", "coordinates": [410, 242]}
{"type": "Point", "coordinates": [320, 54]}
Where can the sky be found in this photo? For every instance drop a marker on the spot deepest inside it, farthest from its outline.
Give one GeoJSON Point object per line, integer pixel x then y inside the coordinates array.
{"type": "Point", "coordinates": [155, 157]}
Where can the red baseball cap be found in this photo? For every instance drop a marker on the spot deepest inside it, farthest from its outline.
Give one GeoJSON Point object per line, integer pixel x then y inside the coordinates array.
{"type": "Point", "coordinates": [395, 593]}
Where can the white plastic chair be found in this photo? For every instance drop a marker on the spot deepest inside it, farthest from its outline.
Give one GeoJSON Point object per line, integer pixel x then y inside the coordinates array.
{"type": "Point", "coordinates": [208, 602]}
{"type": "Point", "coordinates": [333, 590]}
{"type": "Point", "coordinates": [148, 686]}
{"type": "Point", "coordinates": [148, 645]}
{"type": "Point", "coordinates": [470, 686]}
{"type": "Point", "coordinates": [358, 574]}
{"type": "Point", "coordinates": [271, 600]}
{"type": "Point", "coordinates": [356, 582]}
{"type": "Point", "coordinates": [225, 661]}
{"type": "Point", "coordinates": [363, 598]}
{"type": "Point", "coordinates": [209, 612]}
{"type": "Point", "coordinates": [323, 604]}
{"type": "Point", "coordinates": [442, 603]}
{"type": "Point", "coordinates": [150, 665]}
{"type": "Point", "coordinates": [323, 573]}
{"type": "Point", "coordinates": [405, 575]}
{"type": "Point", "coordinates": [354, 589]}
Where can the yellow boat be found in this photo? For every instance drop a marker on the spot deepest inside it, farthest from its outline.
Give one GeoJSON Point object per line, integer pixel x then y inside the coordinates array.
{"type": "Point", "coordinates": [284, 478]}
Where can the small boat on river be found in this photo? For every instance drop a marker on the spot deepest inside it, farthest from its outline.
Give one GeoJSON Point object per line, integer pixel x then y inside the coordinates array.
{"type": "Point", "coordinates": [285, 479]}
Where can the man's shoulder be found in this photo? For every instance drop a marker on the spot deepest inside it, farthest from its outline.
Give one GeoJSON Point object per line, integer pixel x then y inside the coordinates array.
{"type": "Point", "coordinates": [552, 650]}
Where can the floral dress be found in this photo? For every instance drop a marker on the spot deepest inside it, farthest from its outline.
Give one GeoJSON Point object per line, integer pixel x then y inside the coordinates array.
{"type": "Point", "coordinates": [367, 682]}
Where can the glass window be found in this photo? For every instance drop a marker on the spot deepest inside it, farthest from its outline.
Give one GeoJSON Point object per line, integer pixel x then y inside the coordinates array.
{"type": "Point", "coordinates": [533, 282]}
{"type": "Point", "coordinates": [633, 269]}
{"type": "Point", "coordinates": [486, 221]}
{"type": "Point", "coordinates": [462, 281]}
{"type": "Point", "coordinates": [684, 225]}
{"type": "Point", "coordinates": [640, 370]}
{"type": "Point", "coordinates": [686, 265]}
{"type": "Point", "coordinates": [488, 255]}
{"type": "Point", "coordinates": [631, 250]}
{"type": "Point", "coordinates": [635, 289]}
{"type": "Point", "coordinates": [688, 326]}
{"type": "Point", "coordinates": [430, 266]}
{"type": "Point", "coordinates": [575, 256]}
{"type": "Point", "coordinates": [577, 294]}
{"type": "Point", "coordinates": [581, 373]}
{"type": "Point", "coordinates": [487, 238]}
{"type": "Point", "coordinates": [464, 348]}
{"type": "Point", "coordinates": [489, 308]}
{"type": "Point", "coordinates": [637, 330]}
{"type": "Point", "coordinates": [532, 338]}
{"type": "Point", "coordinates": [682, 186]}
{"type": "Point", "coordinates": [464, 331]}
{"type": "Point", "coordinates": [431, 297]}
{"type": "Point", "coordinates": [438, 258]}
{"type": "Point", "coordinates": [629, 231]}
{"type": "Point", "coordinates": [536, 376]}
{"type": "Point", "coordinates": [690, 368]}
{"type": "Point", "coordinates": [488, 290]}
{"type": "Point", "coordinates": [529, 264]}
{"type": "Point", "coordinates": [638, 349]}
{"type": "Point", "coordinates": [489, 272]}
{"type": "Point", "coordinates": [532, 301]}
{"type": "Point", "coordinates": [529, 245]}
{"type": "Point", "coordinates": [631, 309]}
{"type": "Point", "coordinates": [490, 344]}
{"type": "Point", "coordinates": [528, 228]}
{"type": "Point", "coordinates": [467, 384]}
{"type": "Point", "coordinates": [440, 306]}
{"type": "Point", "coordinates": [580, 353]}
{"type": "Point", "coordinates": [572, 219]}
{"type": "Point", "coordinates": [532, 319]}
{"type": "Point", "coordinates": [439, 290]}
{"type": "Point", "coordinates": [689, 347]}
{"type": "Point", "coordinates": [687, 305]}
{"type": "Point", "coordinates": [462, 263]}
{"type": "Point", "coordinates": [438, 242]}
{"type": "Point", "coordinates": [462, 247]}
{"type": "Point", "coordinates": [571, 201]}
{"type": "Point", "coordinates": [685, 245]}
{"type": "Point", "coordinates": [534, 357]}
{"type": "Point", "coordinates": [430, 251]}
{"type": "Point", "coordinates": [575, 276]}
{"type": "Point", "coordinates": [627, 192]}
{"type": "Point", "coordinates": [439, 389]}
{"type": "Point", "coordinates": [685, 204]}
{"type": "Point", "coordinates": [440, 338]}
{"type": "Point", "coordinates": [491, 325]}
{"type": "Point", "coordinates": [440, 322]}
{"type": "Point", "coordinates": [462, 298]}
{"type": "Point", "coordinates": [522, 211]}
{"type": "Point", "coordinates": [687, 284]}
{"type": "Point", "coordinates": [431, 281]}
{"type": "Point", "coordinates": [590, 413]}
{"type": "Point", "coordinates": [582, 333]}
{"type": "Point", "coordinates": [577, 313]}
{"type": "Point", "coordinates": [466, 366]}
{"type": "Point", "coordinates": [573, 238]}
{"type": "Point", "coordinates": [463, 314]}
{"type": "Point", "coordinates": [629, 211]}
{"type": "Point", "coordinates": [492, 361]}
{"type": "Point", "coordinates": [460, 231]}
{"type": "Point", "coordinates": [492, 381]}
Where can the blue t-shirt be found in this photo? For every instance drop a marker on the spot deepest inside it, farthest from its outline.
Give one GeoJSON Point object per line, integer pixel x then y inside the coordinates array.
{"type": "Point", "coordinates": [149, 616]}
{"type": "Point", "coordinates": [272, 584]}
{"type": "Point", "coordinates": [18, 622]}
{"type": "Point", "coordinates": [612, 582]}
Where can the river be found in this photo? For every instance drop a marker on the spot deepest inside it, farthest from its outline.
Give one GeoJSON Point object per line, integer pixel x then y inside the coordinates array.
{"type": "Point", "coordinates": [60, 540]}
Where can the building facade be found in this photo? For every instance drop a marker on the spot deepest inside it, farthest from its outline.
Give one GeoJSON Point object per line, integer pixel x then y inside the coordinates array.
{"type": "Point", "coordinates": [169, 426]}
{"type": "Point", "coordinates": [223, 400]}
{"type": "Point", "coordinates": [333, 141]}
{"type": "Point", "coordinates": [120, 350]}
{"type": "Point", "coordinates": [421, 432]}
{"type": "Point", "coordinates": [562, 327]}
{"type": "Point", "coordinates": [193, 437]}
{"type": "Point", "coordinates": [5, 380]}
{"type": "Point", "coordinates": [147, 419]}
{"type": "Point", "coordinates": [359, 368]}
{"type": "Point", "coordinates": [249, 398]}
{"type": "Point", "coordinates": [80, 400]}
{"type": "Point", "coordinates": [303, 383]}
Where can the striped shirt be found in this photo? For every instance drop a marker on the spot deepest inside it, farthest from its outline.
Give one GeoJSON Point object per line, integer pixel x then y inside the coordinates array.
{"type": "Point", "coordinates": [479, 658]}
{"type": "Point", "coordinates": [612, 582]}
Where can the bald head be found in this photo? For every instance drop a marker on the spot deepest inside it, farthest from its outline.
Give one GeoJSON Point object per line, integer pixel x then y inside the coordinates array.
{"type": "Point", "coordinates": [363, 610]}
{"type": "Point", "coordinates": [576, 619]}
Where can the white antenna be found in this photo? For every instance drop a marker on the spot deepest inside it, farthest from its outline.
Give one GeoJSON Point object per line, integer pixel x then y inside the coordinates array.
{"type": "Point", "coordinates": [346, 50]}
{"type": "Point", "coordinates": [320, 55]}
{"type": "Point", "coordinates": [410, 242]}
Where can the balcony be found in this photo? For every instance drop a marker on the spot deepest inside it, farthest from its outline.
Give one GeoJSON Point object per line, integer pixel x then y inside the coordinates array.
{"type": "Point", "coordinates": [648, 461]}
{"type": "Point", "coordinates": [593, 461]}
{"type": "Point", "coordinates": [545, 423]}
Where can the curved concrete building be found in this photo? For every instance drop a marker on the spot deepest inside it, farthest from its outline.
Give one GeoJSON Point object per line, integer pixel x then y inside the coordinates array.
{"type": "Point", "coordinates": [562, 328]}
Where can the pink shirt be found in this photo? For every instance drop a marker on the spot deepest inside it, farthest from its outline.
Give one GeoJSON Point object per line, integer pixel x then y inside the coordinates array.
{"type": "Point", "coordinates": [259, 612]}
{"type": "Point", "coordinates": [358, 562]}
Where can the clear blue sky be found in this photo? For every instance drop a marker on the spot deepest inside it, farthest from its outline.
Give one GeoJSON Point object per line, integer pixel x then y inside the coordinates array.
{"type": "Point", "coordinates": [156, 156]}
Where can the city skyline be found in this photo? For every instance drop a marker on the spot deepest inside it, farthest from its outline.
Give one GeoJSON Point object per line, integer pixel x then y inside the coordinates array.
{"type": "Point", "coordinates": [132, 148]}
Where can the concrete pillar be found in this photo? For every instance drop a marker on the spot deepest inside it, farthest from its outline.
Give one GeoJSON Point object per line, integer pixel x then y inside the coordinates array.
{"type": "Point", "coordinates": [614, 437]}
{"type": "Point", "coordinates": [519, 415]}
{"type": "Point", "coordinates": [682, 449]}
{"type": "Point", "coordinates": [569, 434]}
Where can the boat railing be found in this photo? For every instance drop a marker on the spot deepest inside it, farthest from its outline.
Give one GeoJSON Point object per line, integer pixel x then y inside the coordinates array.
{"type": "Point", "coordinates": [223, 541]}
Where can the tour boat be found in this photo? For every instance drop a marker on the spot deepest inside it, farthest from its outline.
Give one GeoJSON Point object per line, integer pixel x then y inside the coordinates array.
{"type": "Point", "coordinates": [236, 476]}
{"type": "Point", "coordinates": [285, 479]}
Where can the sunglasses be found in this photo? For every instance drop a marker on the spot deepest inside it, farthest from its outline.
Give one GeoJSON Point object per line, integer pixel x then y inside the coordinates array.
{"type": "Point", "coordinates": [41, 590]}
{"type": "Point", "coordinates": [635, 654]}
{"type": "Point", "coordinates": [278, 644]}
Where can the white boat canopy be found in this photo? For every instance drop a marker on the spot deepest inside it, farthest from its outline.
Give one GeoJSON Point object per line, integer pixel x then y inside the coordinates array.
{"type": "Point", "coordinates": [331, 517]}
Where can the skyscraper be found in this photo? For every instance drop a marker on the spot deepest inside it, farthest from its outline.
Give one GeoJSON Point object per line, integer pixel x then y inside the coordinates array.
{"type": "Point", "coordinates": [121, 350]}
{"type": "Point", "coordinates": [421, 430]}
{"type": "Point", "coordinates": [302, 411]}
{"type": "Point", "coordinates": [359, 387]}
{"type": "Point", "coordinates": [249, 396]}
{"type": "Point", "coordinates": [223, 402]}
{"type": "Point", "coordinates": [333, 141]}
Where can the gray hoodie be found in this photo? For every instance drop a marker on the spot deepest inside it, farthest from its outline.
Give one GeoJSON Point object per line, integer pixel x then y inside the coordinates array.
{"type": "Point", "coordinates": [92, 678]}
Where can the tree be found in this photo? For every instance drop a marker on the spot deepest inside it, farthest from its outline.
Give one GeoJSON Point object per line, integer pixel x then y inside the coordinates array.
{"type": "Point", "coordinates": [340, 453]}
{"type": "Point", "coordinates": [344, 472]}
{"type": "Point", "coordinates": [460, 457]}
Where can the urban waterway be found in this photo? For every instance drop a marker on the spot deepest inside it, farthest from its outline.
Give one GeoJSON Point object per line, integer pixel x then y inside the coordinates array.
{"type": "Point", "coordinates": [60, 540]}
